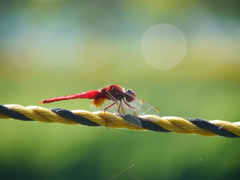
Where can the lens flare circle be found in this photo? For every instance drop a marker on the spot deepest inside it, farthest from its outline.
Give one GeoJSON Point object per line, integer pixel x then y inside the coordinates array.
{"type": "Point", "coordinates": [163, 46]}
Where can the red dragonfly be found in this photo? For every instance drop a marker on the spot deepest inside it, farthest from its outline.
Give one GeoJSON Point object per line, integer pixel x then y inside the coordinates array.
{"type": "Point", "coordinates": [113, 98]}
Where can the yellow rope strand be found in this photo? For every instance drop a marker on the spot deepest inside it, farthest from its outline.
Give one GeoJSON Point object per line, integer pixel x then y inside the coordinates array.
{"type": "Point", "coordinates": [170, 123]}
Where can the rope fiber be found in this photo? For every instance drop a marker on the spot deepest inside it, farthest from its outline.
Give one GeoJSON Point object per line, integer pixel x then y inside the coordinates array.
{"type": "Point", "coordinates": [147, 122]}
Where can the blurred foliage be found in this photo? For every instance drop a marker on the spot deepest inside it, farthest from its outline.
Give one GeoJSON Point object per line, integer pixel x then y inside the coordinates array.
{"type": "Point", "coordinates": [51, 48]}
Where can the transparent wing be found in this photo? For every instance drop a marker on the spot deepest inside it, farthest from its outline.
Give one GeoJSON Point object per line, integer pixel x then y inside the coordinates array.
{"type": "Point", "coordinates": [144, 108]}
{"type": "Point", "coordinates": [112, 109]}
{"type": "Point", "coordinates": [137, 107]}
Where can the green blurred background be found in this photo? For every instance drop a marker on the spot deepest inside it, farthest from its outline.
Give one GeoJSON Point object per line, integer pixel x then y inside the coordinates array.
{"type": "Point", "coordinates": [55, 47]}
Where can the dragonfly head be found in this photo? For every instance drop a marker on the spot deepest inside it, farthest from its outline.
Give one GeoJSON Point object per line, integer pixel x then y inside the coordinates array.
{"type": "Point", "coordinates": [130, 95]}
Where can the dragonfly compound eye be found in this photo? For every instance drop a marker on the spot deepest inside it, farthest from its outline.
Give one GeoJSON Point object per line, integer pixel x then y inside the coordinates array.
{"type": "Point", "coordinates": [130, 95]}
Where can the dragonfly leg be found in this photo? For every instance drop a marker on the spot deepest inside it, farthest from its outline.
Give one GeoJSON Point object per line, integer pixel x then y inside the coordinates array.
{"type": "Point", "coordinates": [105, 109]}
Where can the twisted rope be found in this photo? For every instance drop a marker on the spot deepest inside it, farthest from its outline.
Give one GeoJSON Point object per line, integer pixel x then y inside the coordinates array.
{"type": "Point", "coordinates": [148, 122]}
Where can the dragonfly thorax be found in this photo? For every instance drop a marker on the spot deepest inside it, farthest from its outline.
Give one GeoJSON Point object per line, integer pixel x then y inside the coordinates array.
{"type": "Point", "coordinates": [116, 93]}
